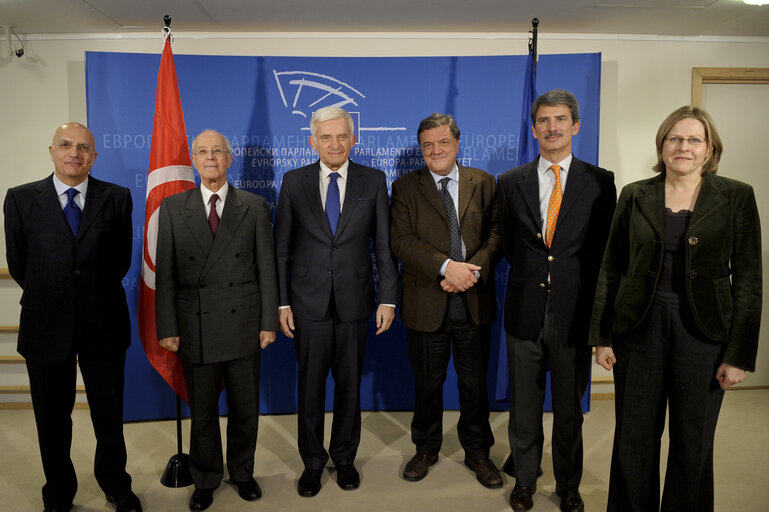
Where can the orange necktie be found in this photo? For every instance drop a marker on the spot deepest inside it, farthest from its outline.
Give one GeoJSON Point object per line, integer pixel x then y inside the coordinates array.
{"type": "Point", "coordinates": [554, 206]}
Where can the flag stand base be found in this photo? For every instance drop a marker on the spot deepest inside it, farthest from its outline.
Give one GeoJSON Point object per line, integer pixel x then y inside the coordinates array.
{"type": "Point", "coordinates": [177, 473]}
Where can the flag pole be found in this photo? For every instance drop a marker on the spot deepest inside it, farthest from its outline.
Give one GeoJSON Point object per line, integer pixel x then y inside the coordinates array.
{"type": "Point", "coordinates": [533, 41]}
{"type": "Point", "coordinates": [177, 472]}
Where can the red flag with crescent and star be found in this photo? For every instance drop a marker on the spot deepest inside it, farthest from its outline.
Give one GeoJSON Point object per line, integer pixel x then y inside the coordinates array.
{"type": "Point", "coordinates": [170, 172]}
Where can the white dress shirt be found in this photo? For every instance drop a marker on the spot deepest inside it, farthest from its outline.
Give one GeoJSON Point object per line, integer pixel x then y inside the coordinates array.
{"type": "Point", "coordinates": [61, 191]}
{"type": "Point", "coordinates": [222, 193]}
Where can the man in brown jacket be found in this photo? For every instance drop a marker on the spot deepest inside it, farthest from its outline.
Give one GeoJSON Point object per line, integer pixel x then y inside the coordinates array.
{"type": "Point", "coordinates": [444, 230]}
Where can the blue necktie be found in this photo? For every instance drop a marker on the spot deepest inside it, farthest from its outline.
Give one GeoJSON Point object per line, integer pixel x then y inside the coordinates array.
{"type": "Point", "coordinates": [72, 211]}
{"type": "Point", "coordinates": [332, 202]}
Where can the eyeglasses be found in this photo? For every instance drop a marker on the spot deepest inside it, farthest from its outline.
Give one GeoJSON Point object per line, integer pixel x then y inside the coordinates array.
{"type": "Point", "coordinates": [66, 145]}
{"type": "Point", "coordinates": [216, 152]}
{"type": "Point", "coordinates": [694, 141]}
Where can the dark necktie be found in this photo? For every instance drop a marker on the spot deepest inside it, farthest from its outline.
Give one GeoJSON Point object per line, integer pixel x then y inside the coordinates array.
{"type": "Point", "coordinates": [455, 238]}
{"type": "Point", "coordinates": [72, 211]}
{"type": "Point", "coordinates": [213, 217]}
{"type": "Point", "coordinates": [332, 202]}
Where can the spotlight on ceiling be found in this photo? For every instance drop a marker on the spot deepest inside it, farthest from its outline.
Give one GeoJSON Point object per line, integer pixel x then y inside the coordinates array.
{"type": "Point", "coordinates": [756, 2]}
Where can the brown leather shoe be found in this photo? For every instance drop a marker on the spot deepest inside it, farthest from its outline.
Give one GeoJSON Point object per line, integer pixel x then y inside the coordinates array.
{"type": "Point", "coordinates": [571, 501]}
{"type": "Point", "coordinates": [416, 468]}
{"type": "Point", "coordinates": [522, 498]}
{"type": "Point", "coordinates": [486, 472]}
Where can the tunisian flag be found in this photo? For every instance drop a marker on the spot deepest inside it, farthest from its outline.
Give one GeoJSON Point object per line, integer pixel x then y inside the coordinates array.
{"type": "Point", "coordinates": [170, 172]}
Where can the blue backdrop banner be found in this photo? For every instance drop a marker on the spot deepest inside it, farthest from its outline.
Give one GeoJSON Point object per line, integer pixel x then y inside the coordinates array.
{"type": "Point", "coordinates": [263, 106]}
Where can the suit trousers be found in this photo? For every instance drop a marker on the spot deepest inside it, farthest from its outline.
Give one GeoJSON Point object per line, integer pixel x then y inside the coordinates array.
{"type": "Point", "coordinates": [529, 361]}
{"type": "Point", "coordinates": [429, 354]}
{"type": "Point", "coordinates": [53, 396]}
{"type": "Point", "coordinates": [329, 344]}
{"type": "Point", "coordinates": [665, 363]}
{"type": "Point", "coordinates": [204, 384]}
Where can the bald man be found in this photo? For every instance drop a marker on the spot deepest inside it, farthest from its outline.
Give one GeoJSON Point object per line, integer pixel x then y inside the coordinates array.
{"type": "Point", "coordinates": [68, 245]}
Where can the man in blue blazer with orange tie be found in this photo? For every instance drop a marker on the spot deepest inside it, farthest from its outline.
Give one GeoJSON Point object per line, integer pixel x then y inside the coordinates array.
{"type": "Point", "coordinates": [68, 245]}
{"type": "Point", "coordinates": [328, 214]}
{"type": "Point", "coordinates": [554, 214]}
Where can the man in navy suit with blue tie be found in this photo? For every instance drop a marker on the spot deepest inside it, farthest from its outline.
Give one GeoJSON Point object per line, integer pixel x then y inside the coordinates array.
{"type": "Point", "coordinates": [328, 214]}
{"type": "Point", "coordinates": [68, 245]}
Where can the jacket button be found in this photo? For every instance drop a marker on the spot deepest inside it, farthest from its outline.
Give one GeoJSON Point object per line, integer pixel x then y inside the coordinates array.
{"type": "Point", "coordinates": [330, 271]}
{"type": "Point", "coordinates": [692, 274]}
{"type": "Point", "coordinates": [693, 240]}
{"type": "Point", "coordinates": [232, 311]}
{"type": "Point", "coordinates": [192, 258]}
{"type": "Point", "coordinates": [77, 272]}
{"type": "Point", "coordinates": [539, 235]}
{"type": "Point", "coordinates": [542, 285]}
{"type": "Point", "coordinates": [202, 286]}
{"type": "Point", "coordinates": [550, 258]}
{"type": "Point", "coordinates": [231, 285]}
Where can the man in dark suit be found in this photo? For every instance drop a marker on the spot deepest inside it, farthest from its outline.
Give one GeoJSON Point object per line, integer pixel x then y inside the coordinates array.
{"type": "Point", "coordinates": [217, 303]}
{"type": "Point", "coordinates": [444, 230]}
{"type": "Point", "coordinates": [328, 214]}
{"type": "Point", "coordinates": [68, 243]}
{"type": "Point", "coordinates": [555, 214]}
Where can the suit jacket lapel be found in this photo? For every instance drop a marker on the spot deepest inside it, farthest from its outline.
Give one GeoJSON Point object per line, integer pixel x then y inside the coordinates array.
{"type": "Point", "coordinates": [466, 192]}
{"type": "Point", "coordinates": [311, 187]}
{"type": "Point", "coordinates": [651, 202]}
{"type": "Point", "coordinates": [709, 199]}
{"type": "Point", "coordinates": [194, 213]}
{"type": "Point", "coordinates": [529, 186]}
{"type": "Point", "coordinates": [430, 191]}
{"type": "Point", "coordinates": [575, 184]}
{"type": "Point", "coordinates": [94, 201]}
{"type": "Point", "coordinates": [232, 215]}
{"type": "Point", "coordinates": [352, 192]}
{"type": "Point", "coordinates": [48, 201]}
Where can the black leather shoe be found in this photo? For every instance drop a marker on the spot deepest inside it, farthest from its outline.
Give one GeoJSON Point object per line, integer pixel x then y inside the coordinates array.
{"type": "Point", "coordinates": [486, 472]}
{"type": "Point", "coordinates": [416, 468]}
{"type": "Point", "coordinates": [127, 503]}
{"type": "Point", "coordinates": [309, 482]}
{"type": "Point", "coordinates": [571, 501]}
{"type": "Point", "coordinates": [249, 490]}
{"type": "Point", "coordinates": [201, 499]}
{"type": "Point", "coordinates": [347, 477]}
{"type": "Point", "coordinates": [522, 497]}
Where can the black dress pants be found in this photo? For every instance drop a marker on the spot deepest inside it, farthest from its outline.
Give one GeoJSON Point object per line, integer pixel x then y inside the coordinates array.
{"type": "Point", "coordinates": [204, 384]}
{"type": "Point", "coordinates": [665, 363]}
{"type": "Point", "coordinates": [322, 346]}
{"type": "Point", "coordinates": [52, 387]}
{"type": "Point", "coordinates": [429, 354]}
{"type": "Point", "coordinates": [528, 361]}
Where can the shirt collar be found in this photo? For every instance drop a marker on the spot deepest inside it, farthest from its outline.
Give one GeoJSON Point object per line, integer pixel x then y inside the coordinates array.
{"type": "Point", "coordinates": [453, 175]}
{"type": "Point", "coordinates": [543, 165]}
{"type": "Point", "coordinates": [61, 187]}
{"type": "Point", "coordinates": [325, 171]}
{"type": "Point", "coordinates": [222, 193]}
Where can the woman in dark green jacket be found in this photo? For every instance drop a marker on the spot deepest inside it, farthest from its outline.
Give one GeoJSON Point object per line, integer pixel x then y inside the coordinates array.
{"type": "Point", "coordinates": [676, 314]}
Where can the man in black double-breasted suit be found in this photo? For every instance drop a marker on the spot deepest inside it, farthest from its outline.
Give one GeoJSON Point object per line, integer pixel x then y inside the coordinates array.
{"type": "Point", "coordinates": [68, 243]}
{"type": "Point", "coordinates": [554, 214]}
{"type": "Point", "coordinates": [328, 214]}
{"type": "Point", "coordinates": [216, 303]}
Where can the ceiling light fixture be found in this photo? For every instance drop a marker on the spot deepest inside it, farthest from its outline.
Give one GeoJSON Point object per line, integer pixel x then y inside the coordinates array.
{"type": "Point", "coordinates": [756, 2]}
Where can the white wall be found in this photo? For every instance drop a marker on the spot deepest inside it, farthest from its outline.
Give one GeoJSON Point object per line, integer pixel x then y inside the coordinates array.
{"type": "Point", "coordinates": [643, 79]}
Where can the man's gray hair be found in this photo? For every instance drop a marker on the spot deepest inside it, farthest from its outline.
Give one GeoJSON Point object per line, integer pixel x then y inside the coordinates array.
{"type": "Point", "coordinates": [327, 114]}
{"type": "Point", "coordinates": [556, 97]}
